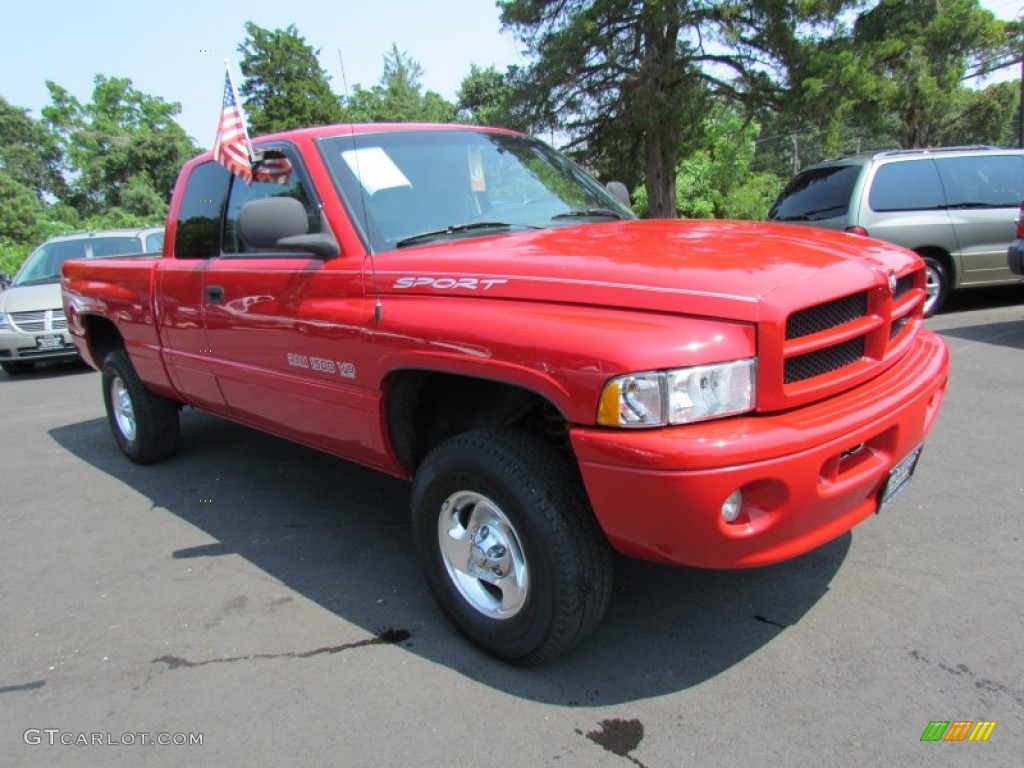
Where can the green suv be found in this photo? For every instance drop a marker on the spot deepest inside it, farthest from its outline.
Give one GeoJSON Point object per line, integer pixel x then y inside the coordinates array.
{"type": "Point", "coordinates": [954, 206]}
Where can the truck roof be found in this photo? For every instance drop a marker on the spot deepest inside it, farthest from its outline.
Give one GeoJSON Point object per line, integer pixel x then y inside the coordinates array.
{"type": "Point", "coordinates": [321, 131]}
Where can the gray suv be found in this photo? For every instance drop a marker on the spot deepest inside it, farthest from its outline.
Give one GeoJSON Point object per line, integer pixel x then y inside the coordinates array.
{"type": "Point", "coordinates": [952, 205]}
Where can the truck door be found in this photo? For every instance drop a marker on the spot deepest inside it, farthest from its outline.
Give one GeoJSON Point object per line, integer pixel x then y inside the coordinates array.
{"type": "Point", "coordinates": [178, 289]}
{"type": "Point", "coordinates": [286, 329]}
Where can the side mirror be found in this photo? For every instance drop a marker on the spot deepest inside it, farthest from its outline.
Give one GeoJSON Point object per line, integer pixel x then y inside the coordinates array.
{"type": "Point", "coordinates": [281, 223]}
{"type": "Point", "coordinates": [619, 192]}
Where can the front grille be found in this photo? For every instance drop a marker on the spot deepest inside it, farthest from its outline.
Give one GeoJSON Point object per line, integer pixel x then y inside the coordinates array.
{"type": "Point", "coordinates": [842, 340]}
{"type": "Point", "coordinates": [823, 360]}
{"type": "Point", "coordinates": [824, 316]}
{"type": "Point", "coordinates": [903, 285]}
{"type": "Point", "coordinates": [40, 321]}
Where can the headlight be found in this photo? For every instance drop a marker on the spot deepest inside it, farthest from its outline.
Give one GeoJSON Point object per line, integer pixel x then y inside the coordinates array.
{"type": "Point", "coordinates": [679, 396]}
{"type": "Point", "coordinates": [4, 322]}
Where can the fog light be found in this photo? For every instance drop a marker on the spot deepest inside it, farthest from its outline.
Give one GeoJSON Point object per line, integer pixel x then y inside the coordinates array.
{"type": "Point", "coordinates": [732, 506]}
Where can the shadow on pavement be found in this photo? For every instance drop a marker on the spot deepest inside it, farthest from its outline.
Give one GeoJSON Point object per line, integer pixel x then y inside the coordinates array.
{"type": "Point", "coordinates": [970, 299]}
{"type": "Point", "coordinates": [47, 371]}
{"type": "Point", "coordinates": [1002, 334]}
{"type": "Point", "coordinates": [338, 534]}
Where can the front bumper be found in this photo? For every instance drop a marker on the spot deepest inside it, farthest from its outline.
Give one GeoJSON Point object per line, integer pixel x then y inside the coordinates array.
{"type": "Point", "coordinates": [1015, 257]}
{"type": "Point", "coordinates": [807, 475]}
{"type": "Point", "coordinates": [18, 347]}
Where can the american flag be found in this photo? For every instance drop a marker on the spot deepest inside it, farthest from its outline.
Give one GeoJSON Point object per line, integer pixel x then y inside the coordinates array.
{"type": "Point", "coordinates": [231, 147]}
{"type": "Point", "coordinates": [276, 170]}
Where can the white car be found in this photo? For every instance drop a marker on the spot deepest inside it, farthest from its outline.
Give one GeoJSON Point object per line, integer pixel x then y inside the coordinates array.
{"type": "Point", "coordinates": [33, 328]}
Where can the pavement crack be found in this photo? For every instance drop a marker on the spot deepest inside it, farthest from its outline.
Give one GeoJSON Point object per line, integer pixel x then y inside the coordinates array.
{"type": "Point", "coordinates": [965, 673]}
{"type": "Point", "coordinates": [386, 636]}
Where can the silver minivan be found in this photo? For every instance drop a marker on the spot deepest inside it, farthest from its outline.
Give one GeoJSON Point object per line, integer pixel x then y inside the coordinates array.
{"type": "Point", "coordinates": [954, 206]}
{"type": "Point", "coordinates": [33, 328]}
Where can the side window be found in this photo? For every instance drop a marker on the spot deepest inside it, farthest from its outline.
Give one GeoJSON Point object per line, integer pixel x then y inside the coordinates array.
{"type": "Point", "coordinates": [985, 181]}
{"type": "Point", "coordinates": [198, 232]}
{"type": "Point", "coordinates": [911, 185]}
{"type": "Point", "coordinates": [278, 177]}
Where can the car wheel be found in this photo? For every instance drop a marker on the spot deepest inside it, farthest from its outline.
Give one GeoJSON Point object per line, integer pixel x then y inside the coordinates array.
{"type": "Point", "coordinates": [144, 424]}
{"type": "Point", "coordinates": [17, 368]}
{"type": "Point", "coordinates": [936, 285]}
{"type": "Point", "coordinates": [509, 545]}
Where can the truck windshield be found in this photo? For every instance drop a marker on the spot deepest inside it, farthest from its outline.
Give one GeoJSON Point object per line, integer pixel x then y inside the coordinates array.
{"type": "Point", "coordinates": [414, 187]}
{"type": "Point", "coordinates": [43, 265]}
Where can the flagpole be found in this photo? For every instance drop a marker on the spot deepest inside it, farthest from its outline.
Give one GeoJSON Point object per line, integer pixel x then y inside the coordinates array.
{"type": "Point", "coordinates": [241, 110]}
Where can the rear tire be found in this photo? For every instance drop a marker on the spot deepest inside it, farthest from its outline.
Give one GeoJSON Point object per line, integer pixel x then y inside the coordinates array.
{"type": "Point", "coordinates": [509, 545]}
{"type": "Point", "coordinates": [936, 284]}
{"type": "Point", "coordinates": [17, 368]}
{"type": "Point", "coordinates": [145, 425]}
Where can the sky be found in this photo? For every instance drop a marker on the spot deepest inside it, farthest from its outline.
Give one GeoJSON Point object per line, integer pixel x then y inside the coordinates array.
{"type": "Point", "coordinates": [176, 49]}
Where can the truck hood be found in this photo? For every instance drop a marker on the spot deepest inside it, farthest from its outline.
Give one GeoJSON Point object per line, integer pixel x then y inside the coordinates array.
{"type": "Point", "coordinates": [725, 269]}
{"type": "Point", "coordinates": [31, 298]}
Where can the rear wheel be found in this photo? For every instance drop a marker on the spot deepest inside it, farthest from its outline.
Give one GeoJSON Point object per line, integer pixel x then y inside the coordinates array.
{"type": "Point", "coordinates": [16, 368]}
{"type": "Point", "coordinates": [936, 285]}
{"type": "Point", "coordinates": [145, 425]}
{"type": "Point", "coordinates": [509, 545]}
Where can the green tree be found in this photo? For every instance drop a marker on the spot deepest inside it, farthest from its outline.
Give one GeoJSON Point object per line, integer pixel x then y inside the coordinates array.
{"type": "Point", "coordinates": [284, 85]}
{"type": "Point", "coordinates": [28, 152]}
{"type": "Point", "coordinates": [915, 56]}
{"type": "Point", "coordinates": [487, 97]}
{"type": "Point", "coordinates": [634, 76]}
{"type": "Point", "coordinates": [121, 141]}
{"type": "Point", "coordinates": [398, 96]}
{"type": "Point", "coordinates": [717, 180]}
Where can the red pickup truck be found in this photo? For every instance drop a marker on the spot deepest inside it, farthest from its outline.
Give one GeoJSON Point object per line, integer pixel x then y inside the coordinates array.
{"type": "Point", "coordinates": [465, 308]}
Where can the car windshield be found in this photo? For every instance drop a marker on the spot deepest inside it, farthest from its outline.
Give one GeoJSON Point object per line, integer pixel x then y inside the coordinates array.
{"type": "Point", "coordinates": [414, 187]}
{"type": "Point", "coordinates": [43, 266]}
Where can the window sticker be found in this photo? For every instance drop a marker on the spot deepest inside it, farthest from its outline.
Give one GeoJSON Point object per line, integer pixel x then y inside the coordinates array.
{"type": "Point", "coordinates": [374, 169]}
{"type": "Point", "coordinates": [476, 171]}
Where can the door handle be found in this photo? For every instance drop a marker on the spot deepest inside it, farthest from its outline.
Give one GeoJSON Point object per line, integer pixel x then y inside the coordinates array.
{"type": "Point", "coordinates": [215, 293]}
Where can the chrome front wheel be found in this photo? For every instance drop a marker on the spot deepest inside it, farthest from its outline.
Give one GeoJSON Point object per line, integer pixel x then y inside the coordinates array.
{"type": "Point", "coordinates": [483, 555]}
{"type": "Point", "coordinates": [509, 545]}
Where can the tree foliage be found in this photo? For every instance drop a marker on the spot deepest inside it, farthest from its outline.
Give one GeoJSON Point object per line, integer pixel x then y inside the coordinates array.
{"type": "Point", "coordinates": [284, 86]}
{"type": "Point", "coordinates": [914, 57]}
{"type": "Point", "coordinates": [487, 97]}
{"type": "Point", "coordinates": [28, 153]}
{"type": "Point", "coordinates": [631, 75]}
{"type": "Point", "coordinates": [398, 96]}
{"type": "Point", "coordinates": [123, 148]}
{"type": "Point", "coordinates": [716, 179]}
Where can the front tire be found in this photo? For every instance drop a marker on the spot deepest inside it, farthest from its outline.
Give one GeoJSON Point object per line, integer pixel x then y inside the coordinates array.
{"type": "Point", "coordinates": [509, 545]}
{"type": "Point", "coordinates": [145, 425]}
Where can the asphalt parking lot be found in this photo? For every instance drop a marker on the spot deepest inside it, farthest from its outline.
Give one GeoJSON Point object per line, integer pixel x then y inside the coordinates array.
{"type": "Point", "coordinates": [264, 599]}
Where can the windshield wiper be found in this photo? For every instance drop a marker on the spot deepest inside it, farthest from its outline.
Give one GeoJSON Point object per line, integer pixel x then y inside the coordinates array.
{"type": "Point", "coordinates": [806, 216]}
{"type": "Point", "coordinates": [606, 213]}
{"type": "Point", "coordinates": [453, 229]}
